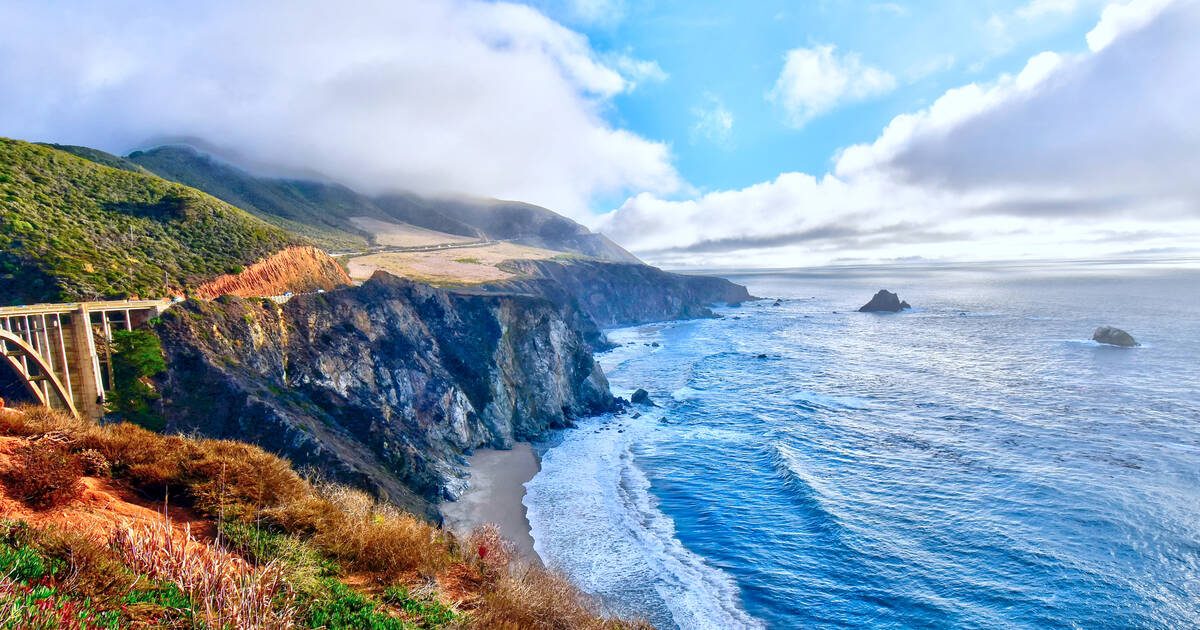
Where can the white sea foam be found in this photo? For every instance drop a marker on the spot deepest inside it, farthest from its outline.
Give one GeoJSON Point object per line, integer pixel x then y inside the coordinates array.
{"type": "Point", "coordinates": [592, 515]}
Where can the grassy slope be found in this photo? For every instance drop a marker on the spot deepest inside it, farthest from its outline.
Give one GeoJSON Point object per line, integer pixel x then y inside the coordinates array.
{"type": "Point", "coordinates": [72, 229]}
{"type": "Point", "coordinates": [350, 563]}
{"type": "Point", "coordinates": [317, 210]}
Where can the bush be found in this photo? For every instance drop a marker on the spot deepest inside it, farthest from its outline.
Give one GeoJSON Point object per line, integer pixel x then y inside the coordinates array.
{"type": "Point", "coordinates": [46, 475]}
{"type": "Point", "coordinates": [137, 356]}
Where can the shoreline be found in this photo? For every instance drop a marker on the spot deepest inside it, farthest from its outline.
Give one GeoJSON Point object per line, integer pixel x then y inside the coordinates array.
{"type": "Point", "coordinates": [495, 493]}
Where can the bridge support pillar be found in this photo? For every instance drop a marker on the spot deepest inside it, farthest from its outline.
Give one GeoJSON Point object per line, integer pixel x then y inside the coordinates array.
{"type": "Point", "coordinates": [90, 389]}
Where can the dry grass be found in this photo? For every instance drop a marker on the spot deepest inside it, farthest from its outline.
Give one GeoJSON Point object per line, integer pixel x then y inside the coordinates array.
{"type": "Point", "coordinates": [529, 597]}
{"type": "Point", "coordinates": [46, 475]}
{"type": "Point", "coordinates": [446, 267]}
{"type": "Point", "coordinates": [224, 589]}
{"type": "Point", "coordinates": [221, 477]}
{"type": "Point", "coordinates": [362, 535]}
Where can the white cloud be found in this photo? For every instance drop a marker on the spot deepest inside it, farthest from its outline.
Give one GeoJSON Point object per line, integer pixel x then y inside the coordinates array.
{"type": "Point", "coordinates": [713, 121]}
{"type": "Point", "coordinates": [1076, 155]}
{"type": "Point", "coordinates": [816, 80]}
{"type": "Point", "coordinates": [431, 95]}
{"type": "Point", "coordinates": [1119, 18]}
{"type": "Point", "coordinates": [638, 71]}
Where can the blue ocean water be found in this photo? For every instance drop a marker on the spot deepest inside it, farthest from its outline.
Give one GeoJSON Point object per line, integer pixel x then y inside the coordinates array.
{"type": "Point", "coordinates": [974, 463]}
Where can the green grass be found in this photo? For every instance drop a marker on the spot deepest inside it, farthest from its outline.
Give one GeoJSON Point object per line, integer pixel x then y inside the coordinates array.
{"type": "Point", "coordinates": [470, 261]}
{"type": "Point", "coordinates": [431, 613]}
{"type": "Point", "coordinates": [344, 609]}
{"type": "Point", "coordinates": [74, 229]}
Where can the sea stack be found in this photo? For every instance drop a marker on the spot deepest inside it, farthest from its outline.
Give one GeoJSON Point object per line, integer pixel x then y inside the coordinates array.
{"type": "Point", "coordinates": [641, 397]}
{"type": "Point", "coordinates": [884, 302]}
{"type": "Point", "coordinates": [1114, 337]}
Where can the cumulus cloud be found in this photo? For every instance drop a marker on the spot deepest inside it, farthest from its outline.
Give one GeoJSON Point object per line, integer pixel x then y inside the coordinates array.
{"type": "Point", "coordinates": [1087, 154]}
{"type": "Point", "coordinates": [431, 95]}
{"type": "Point", "coordinates": [816, 80]}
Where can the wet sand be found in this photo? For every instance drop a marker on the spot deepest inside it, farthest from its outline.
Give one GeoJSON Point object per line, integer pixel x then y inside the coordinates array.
{"type": "Point", "coordinates": [494, 496]}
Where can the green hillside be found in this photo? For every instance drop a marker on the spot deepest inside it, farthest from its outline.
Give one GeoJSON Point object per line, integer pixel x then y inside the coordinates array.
{"type": "Point", "coordinates": [73, 229]}
{"type": "Point", "coordinates": [317, 210]}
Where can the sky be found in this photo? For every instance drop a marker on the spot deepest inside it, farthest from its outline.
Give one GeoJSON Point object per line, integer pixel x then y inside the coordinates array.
{"type": "Point", "coordinates": [695, 133]}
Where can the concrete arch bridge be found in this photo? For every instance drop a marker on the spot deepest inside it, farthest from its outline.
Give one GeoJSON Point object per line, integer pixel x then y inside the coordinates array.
{"type": "Point", "coordinates": [60, 355]}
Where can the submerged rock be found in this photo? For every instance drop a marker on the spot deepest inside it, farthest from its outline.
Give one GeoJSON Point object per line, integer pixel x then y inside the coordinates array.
{"type": "Point", "coordinates": [884, 302]}
{"type": "Point", "coordinates": [1114, 337]}
{"type": "Point", "coordinates": [641, 397]}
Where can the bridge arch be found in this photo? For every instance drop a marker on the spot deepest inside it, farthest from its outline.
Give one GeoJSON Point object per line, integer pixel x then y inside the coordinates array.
{"type": "Point", "coordinates": [19, 355]}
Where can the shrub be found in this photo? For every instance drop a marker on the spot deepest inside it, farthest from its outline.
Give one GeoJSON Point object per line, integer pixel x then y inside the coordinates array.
{"type": "Point", "coordinates": [95, 464]}
{"type": "Point", "coordinates": [46, 475]}
{"type": "Point", "coordinates": [137, 355]}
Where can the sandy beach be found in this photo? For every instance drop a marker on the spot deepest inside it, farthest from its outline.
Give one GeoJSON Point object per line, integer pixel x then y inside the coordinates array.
{"type": "Point", "coordinates": [494, 496]}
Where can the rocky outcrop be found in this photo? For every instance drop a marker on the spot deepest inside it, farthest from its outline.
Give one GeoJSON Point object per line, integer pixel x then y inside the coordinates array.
{"type": "Point", "coordinates": [1114, 337]}
{"type": "Point", "coordinates": [884, 302]}
{"type": "Point", "coordinates": [383, 386]}
{"type": "Point", "coordinates": [641, 397]}
{"type": "Point", "coordinates": [295, 269]}
{"type": "Point", "coordinates": [612, 295]}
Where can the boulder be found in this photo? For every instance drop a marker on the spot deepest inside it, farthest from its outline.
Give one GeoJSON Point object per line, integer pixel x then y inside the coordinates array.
{"type": "Point", "coordinates": [886, 302]}
{"type": "Point", "coordinates": [641, 397]}
{"type": "Point", "coordinates": [1114, 337]}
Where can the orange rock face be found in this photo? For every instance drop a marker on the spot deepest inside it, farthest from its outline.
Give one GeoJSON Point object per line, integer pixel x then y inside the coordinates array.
{"type": "Point", "coordinates": [295, 269]}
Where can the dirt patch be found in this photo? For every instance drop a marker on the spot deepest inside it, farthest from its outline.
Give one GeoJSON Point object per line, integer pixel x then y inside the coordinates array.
{"type": "Point", "coordinates": [100, 506]}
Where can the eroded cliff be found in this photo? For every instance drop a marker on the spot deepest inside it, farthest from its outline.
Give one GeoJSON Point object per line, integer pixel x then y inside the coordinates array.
{"type": "Point", "coordinates": [617, 294]}
{"type": "Point", "coordinates": [387, 385]}
{"type": "Point", "coordinates": [295, 269]}
{"type": "Point", "coordinates": [384, 385]}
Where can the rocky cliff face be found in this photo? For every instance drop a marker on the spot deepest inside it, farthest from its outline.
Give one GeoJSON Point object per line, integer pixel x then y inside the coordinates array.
{"type": "Point", "coordinates": [615, 294]}
{"type": "Point", "coordinates": [295, 269]}
{"type": "Point", "coordinates": [383, 386]}
{"type": "Point", "coordinates": [386, 385]}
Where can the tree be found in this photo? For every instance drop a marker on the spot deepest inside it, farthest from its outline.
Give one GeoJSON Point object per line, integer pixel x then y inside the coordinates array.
{"type": "Point", "coordinates": [137, 356]}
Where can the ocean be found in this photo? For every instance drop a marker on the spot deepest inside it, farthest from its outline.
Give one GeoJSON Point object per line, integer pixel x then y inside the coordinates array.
{"type": "Point", "coordinates": [976, 462]}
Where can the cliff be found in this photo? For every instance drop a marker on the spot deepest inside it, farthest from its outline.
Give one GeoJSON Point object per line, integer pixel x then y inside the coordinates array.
{"type": "Point", "coordinates": [387, 385]}
{"type": "Point", "coordinates": [383, 386]}
{"type": "Point", "coordinates": [616, 294]}
{"type": "Point", "coordinates": [295, 269]}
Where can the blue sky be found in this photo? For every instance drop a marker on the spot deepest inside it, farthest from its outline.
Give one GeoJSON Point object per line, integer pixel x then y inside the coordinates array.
{"type": "Point", "coordinates": [730, 54]}
{"type": "Point", "coordinates": [695, 134]}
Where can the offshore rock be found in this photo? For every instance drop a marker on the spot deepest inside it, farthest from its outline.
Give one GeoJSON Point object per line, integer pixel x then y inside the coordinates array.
{"type": "Point", "coordinates": [884, 301]}
{"type": "Point", "coordinates": [641, 397]}
{"type": "Point", "coordinates": [383, 386]}
{"type": "Point", "coordinates": [1114, 337]}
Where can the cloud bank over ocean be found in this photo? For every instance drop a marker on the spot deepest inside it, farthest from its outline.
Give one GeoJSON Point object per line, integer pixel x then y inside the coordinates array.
{"type": "Point", "coordinates": [1070, 154]}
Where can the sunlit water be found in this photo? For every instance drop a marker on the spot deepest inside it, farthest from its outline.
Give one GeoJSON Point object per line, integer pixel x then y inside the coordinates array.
{"type": "Point", "coordinates": [974, 463]}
